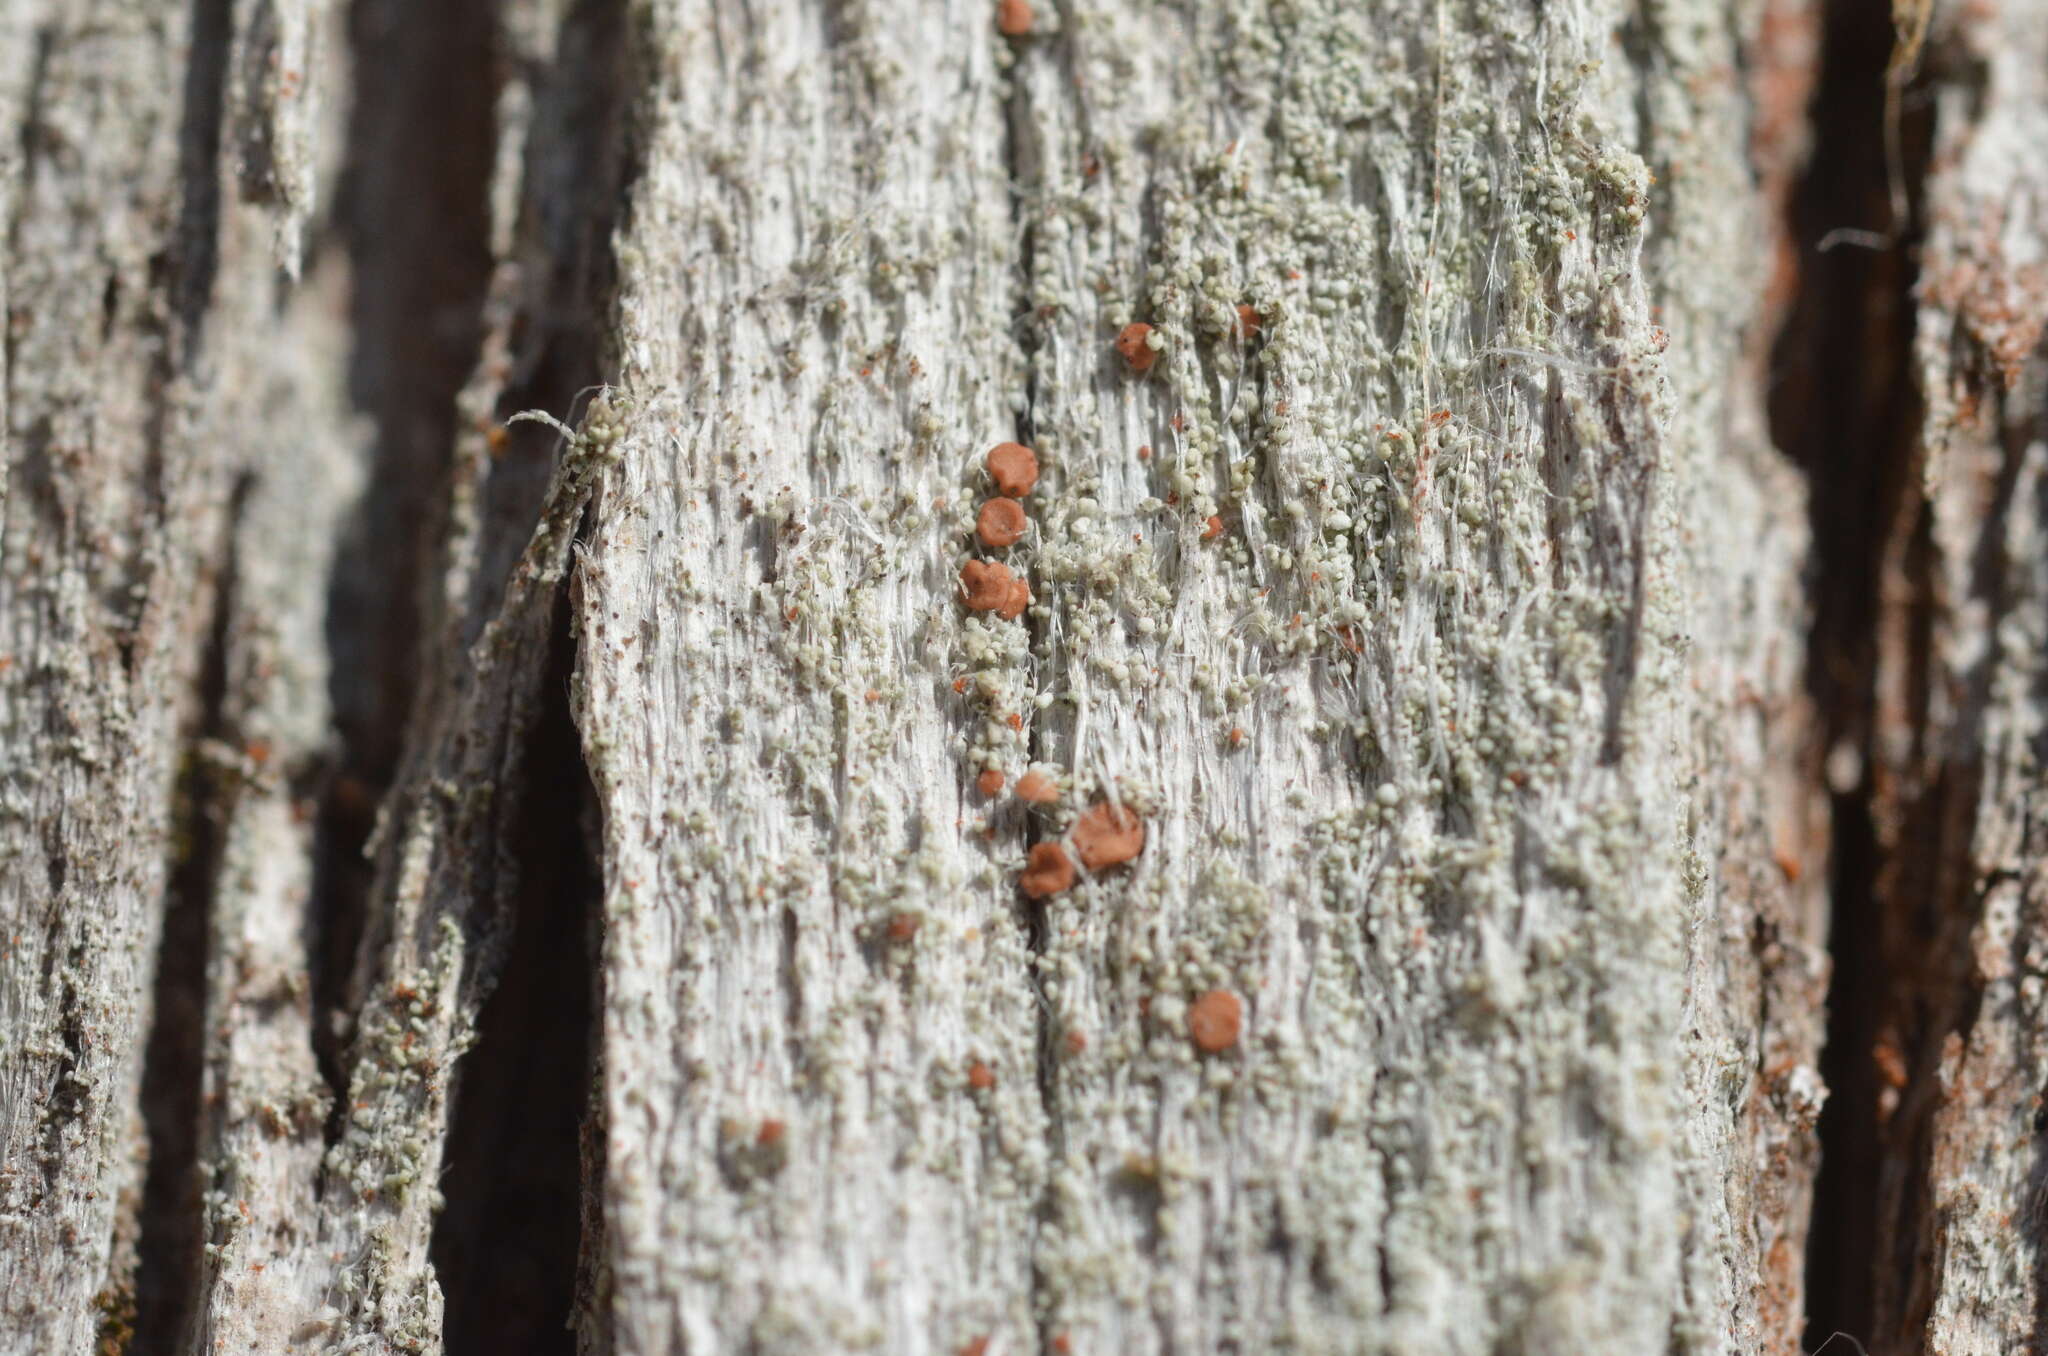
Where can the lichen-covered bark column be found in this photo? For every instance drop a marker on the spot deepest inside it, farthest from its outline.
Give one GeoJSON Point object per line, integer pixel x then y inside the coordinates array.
{"type": "Point", "coordinates": [1418, 578]}
{"type": "Point", "coordinates": [823, 1125]}
{"type": "Point", "coordinates": [154, 204]}
{"type": "Point", "coordinates": [1396, 579]}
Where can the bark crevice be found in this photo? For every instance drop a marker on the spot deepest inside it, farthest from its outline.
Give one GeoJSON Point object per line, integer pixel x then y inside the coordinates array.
{"type": "Point", "coordinates": [509, 1248]}
{"type": "Point", "coordinates": [416, 213]}
{"type": "Point", "coordinates": [506, 1245]}
{"type": "Point", "coordinates": [171, 1227]}
{"type": "Point", "coordinates": [199, 143]}
{"type": "Point", "coordinates": [1844, 404]}
{"type": "Point", "coordinates": [1021, 166]}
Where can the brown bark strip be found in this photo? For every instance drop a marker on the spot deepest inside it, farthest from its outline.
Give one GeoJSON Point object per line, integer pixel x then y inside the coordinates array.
{"type": "Point", "coordinates": [140, 301]}
{"type": "Point", "coordinates": [1982, 1280]}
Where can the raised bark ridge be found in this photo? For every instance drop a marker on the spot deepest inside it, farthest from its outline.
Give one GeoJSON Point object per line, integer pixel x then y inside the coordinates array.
{"type": "Point", "coordinates": [1428, 773]}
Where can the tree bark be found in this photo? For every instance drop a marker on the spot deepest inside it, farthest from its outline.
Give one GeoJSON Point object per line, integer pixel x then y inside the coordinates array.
{"type": "Point", "coordinates": [1557, 583]}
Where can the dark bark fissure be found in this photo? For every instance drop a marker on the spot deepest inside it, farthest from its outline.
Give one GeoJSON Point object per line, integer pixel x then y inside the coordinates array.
{"type": "Point", "coordinates": [509, 1248]}
{"type": "Point", "coordinates": [415, 212]}
{"type": "Point", "coordinates": [1843, 403]}
{"type": "Point", "coordinates": [414, 208]}
{"type": "Point", "coordinates": [506, 1245]}
{"type": "Point", "coordinates": [171, 1226]}
{"type": "Point", "coordinates": [199, 156]}
{"type": "Point", "coordinates": [1022, 157]}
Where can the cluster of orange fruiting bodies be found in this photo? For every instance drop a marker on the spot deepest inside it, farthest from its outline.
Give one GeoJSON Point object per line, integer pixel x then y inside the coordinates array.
{"type": "Point", "coordinates": [991, 586]}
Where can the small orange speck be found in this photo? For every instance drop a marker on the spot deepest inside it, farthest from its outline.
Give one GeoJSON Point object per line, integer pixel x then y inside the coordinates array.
{"type": "Point", "coordinates": [496, 437]}
{"type": "Point", "coordinates": [790, 615]}
{"type": "Point", "coordinates": [1013, 18]}
{"type": "Point", "coordinates": [1348, 638]}
{"type": "Point", "coordinates": [866, 370]}
{"type": "Point", "coordinates": [1294, 275]}
{"type": "Point", "coordinates": [1145, 453]}
{"type": "Point", "coordinates": [1037, 788]}
{"type": "Point", "coordinates": [1237, 737]}
{"type": "Point", "coordinates": [258, 751]}
{"type": "Point", "coordinates": [989, 783]}
{"type": "Point", "coordinates": [1048, 872]}
{"type": "Point", "coordinates": [1107, 835]}
{"type": "Point", "coordinates": [959, 685]}
{"type": "Point", "coordinates": [770, 1133]}
{"type": "Point", "coordinates": [1137, 353]}
{"type": "Point", "coordinates": [1062, 1346]}
{"type": "Point", "coordinates": [1014, 720]}
{"type": "Point", "coordinates": [1090, 166]}
{"type": "Point", "coordinates": [1789, 865]}
{"type": "Point", "coordinates": [873, 695]}
{"type": "Point", "coordinates": [1214, 1020]}
{"type": "Point", "coordinates": [1000, 523]}
{"type": "Point", "coordinates": [902, 926]}
{"type": "Point", "coordinates": [980, 1077]}
{"type": "Point", "coordinates": [1179, 421]}
{"type": "Point", "coordinates": [1014, 468]}
{"type": "Point", "coordinates": [1248, 322]}
{"type": "Point", "coordinates": [1212, 529]}
{"type": "Point", "coordinates": [974, 1346]}
{"type": "Point", "coordinates": [986, 586]}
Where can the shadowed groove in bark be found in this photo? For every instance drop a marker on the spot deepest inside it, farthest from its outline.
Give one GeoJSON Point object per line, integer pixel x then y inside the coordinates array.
{"type": "Point", "coordinates": [172, 1225]}
{"type": "Point", "coordinates": [199, 138]}
{"type": "Point", "coordinates": [1021, 160]}
{"type": "Point", "coordinates": [508, 1248]}
{"type": "Point", "coordinates": [1843, 403]}
{"type": "Point", "coordinates": [414, 207]}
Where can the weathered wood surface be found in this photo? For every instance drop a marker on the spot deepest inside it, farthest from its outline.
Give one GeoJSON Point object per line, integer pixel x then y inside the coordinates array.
{"type": "Point", "coordinates": [157, 406]}
{"type": "Point", "coordinates": [1443, 612]}
{"type": "Point", "coordinates": [1431, 774]}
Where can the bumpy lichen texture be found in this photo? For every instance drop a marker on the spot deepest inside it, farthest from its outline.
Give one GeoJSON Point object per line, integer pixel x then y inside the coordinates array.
{"type": "Point", "coordinates": [1436, 748]}
{"type": "Point", "coordinates": [815, 314]}
{"type": "Point", "coordinates": [138, 273]}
